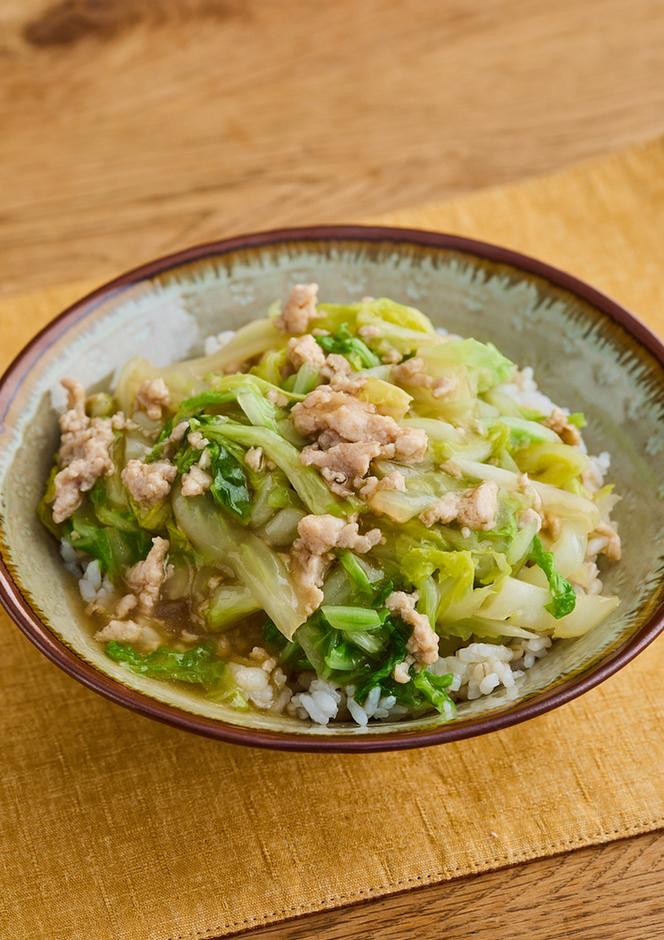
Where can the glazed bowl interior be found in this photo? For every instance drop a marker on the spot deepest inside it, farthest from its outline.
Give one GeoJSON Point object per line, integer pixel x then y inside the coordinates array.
{"type": "Point", "coordinates": [588, 354]}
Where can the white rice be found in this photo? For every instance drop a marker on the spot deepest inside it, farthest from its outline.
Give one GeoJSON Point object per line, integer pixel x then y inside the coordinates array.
{"type": "Point", "coordinates": [525, 392]}
{"type": "Point", "coordinates": [93, 588]}
{"type": "Point", "coordinates": [478, 669]}
{"type": "Point", "coordinates": [213, 344]}
{"type": "Point", "coordinates": [264, 685]}
{"type": "Point", "coordinates": [71, 559]}
{"type": "Point", "coordinates": [597, 470]}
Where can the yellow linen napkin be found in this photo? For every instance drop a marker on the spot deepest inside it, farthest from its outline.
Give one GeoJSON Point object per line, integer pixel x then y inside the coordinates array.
{"type": "Point", "coordinates": [602, 221]}
{"type": "Point", "coordinates": [114, 826]}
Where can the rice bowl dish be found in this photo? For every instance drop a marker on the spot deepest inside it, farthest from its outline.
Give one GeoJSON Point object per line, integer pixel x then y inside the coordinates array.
{"type": "Point", "coordinates": [590, 357]}
{"type": "Point", "coordinates": [339, 514]}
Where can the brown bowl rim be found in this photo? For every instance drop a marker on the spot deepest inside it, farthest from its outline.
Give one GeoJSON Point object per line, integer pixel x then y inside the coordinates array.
{"type": "Point", "coordinates": [22, 614]}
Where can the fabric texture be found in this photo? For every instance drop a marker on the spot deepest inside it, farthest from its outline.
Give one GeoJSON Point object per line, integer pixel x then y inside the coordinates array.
{"type": "Point", "coordinates": [115, 826]}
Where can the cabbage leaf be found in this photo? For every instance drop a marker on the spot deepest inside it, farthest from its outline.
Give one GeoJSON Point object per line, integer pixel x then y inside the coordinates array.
{"type": "Point", "coordinates": [196, 666]}
{"type": "Point", "coordinates": [562, 592]}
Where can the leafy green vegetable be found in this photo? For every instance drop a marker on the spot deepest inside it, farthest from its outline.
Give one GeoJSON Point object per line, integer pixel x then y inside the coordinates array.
{"type": "Point", "coordinates": [429, 599]}
{"type": "Point", "coordinates": [577, 419]}
{"type": "Point", "coordinates": [229, 603]}
{"type": "Point", "coordinates": [353, 618]}
{"type": "Point", "coordinates": [352, 347]}
{"type": "Point", "coordinates": [155, 517]}
{"type": "Point", "coordinates": [318, 639]}
{"type": "Point", "coordinates": [181, 550]}
{"type": "Point", "coordinates": [270, 367]}
{"type": "Point", "coordinates": [211, 399]}
{"type": "Point", "coordinates": [344, 657]}
{"type": "Point", "coordinates": [227, 692]}
{"type": "Point", "coordinates": [44, 510]}
{"type": "Point", "coordinates": [115, 549]}
{"type": "Point", "coordinates": [484, 363]}
{"type": "Point", "coordinates": [221, 539]}
{"type": "Point", "coordinates": [246, 393]}
{"type": "Point", "coordinates": [289, 651]}
{"type": "Point", "coordinates": [383, 593]}
{"type": "Point", "coordinates": [280, 495]}
{"type": "Point", "coordinates": [506, 405]}
{"type": "Point", "coordinates": [123, 519]}
{"type": "Point", "coordinates": [433, 689]}
{"type": "Point", "coordinates": [354, 568]}
{"type": "Point", "coordinates": [391, 312]}
{"type": "Point", "coordinates": [196, 666]}
{"type": "Point", "coordinates": [229, 482]}
{"type": "Point", "coordinates": [363, 656]}
{"type": "Point", "coordinates": [371, 641]}
{"type": "Point", "coordinates": [259, 411]}
{"type": "Point", "coordinates": [562, 592]}
{"type": "Point", "coordinates": [422, 691]}
{"type": "Point", "coordinates": [398, 634]}
{"type": "Point", "coordinates": [307, 482]}
{"type": "Point", "coordinates": [261, 386]}
{"type": "Point", "coordinates": [157, 451]}
{"type": "Point", "coordinates": [250, 340]}
{"type": "Point", "coordinates": [306, 379]}
{"type": "Point", "coordinates": [554, 463]}
{"type": "Point", "coordinates": [523, 431]}
{"type": "Point", "coordinates": [186, 455]}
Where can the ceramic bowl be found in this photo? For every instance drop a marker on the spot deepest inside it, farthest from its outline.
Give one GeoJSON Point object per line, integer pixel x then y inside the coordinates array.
{"type": "Point", "coordinates": [588, 353]}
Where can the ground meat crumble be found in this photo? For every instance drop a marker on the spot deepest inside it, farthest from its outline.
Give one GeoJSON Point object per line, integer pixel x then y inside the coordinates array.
{"type": "Point", "coordinates": [299, 309]}
{"type": "Point", "coordinates": [342, 466]}
{"type": "Point", "coordinates": [85, 453]}
{"type": "Point", "coordinates": [149, 483]}
{"type": "Point", "coordinates": [333, 415]}
{"type": "Point", "coordinates": [423, 642]}
{"type": "Point", "coordinates": [152, 396]}
{"type": "Point", "coordinates": [321, 533]}
{"type": "Point", "coordinates": [311, 554]}
{"type": "Point", "coordinates": [476, 508]}
{"type": "Point", "coordinates": [558, 422]}
{"type": "Point", "coordinates": [146, 577]}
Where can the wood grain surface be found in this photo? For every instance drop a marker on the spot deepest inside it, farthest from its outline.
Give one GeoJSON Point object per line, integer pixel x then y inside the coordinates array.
{"type": "Point", "coordinates": [613, 892]}
{"type": "Point", "coordinates": [132, 128]}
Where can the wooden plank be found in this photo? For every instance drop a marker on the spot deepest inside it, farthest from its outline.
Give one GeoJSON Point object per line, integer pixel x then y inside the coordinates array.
{"type": "Point", "coordinates": [131, 128]}
{"type": "Point", "coordinates": [607, 893]}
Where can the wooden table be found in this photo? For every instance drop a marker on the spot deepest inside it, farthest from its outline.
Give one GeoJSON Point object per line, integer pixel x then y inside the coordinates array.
{"type": "Point", "coordinates": [132, 128]}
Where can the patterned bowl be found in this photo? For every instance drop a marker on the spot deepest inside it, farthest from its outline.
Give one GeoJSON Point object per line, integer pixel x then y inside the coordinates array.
{"type": "Point", "coordinates": [588, 353]}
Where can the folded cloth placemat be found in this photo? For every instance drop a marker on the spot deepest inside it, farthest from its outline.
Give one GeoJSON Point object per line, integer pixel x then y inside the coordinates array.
{"type": "Point", "coordinates": [114, 826]}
